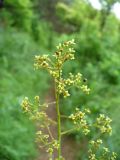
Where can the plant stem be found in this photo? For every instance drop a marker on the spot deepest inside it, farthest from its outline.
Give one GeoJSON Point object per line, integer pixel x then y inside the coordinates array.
{"type": "Point", "coordinates": [59, 127]}
{"type": "Point", "coordinates": [69, 131]}
{"type": "Point", "coordinates": [58, 121]}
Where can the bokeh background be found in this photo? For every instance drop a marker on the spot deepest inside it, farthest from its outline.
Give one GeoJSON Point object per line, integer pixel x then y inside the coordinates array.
{"type": "Point", "coordinates": [29, 28]}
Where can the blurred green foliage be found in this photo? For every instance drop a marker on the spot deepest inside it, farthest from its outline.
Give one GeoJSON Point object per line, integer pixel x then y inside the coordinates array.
{"type": "Point", "coordinates": [34, 27]}
{"type": "Point", "coordinates": [17, 80]}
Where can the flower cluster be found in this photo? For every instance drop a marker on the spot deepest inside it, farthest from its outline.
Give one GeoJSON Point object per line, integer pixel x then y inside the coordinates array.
{"type": "Point", "coordinates": [41, 62]}
{"type": "Point", "coordinates": [54, 65]}
{"type": "Point", "coordinates": [44, 140]}
{"type": "Point", "coordinates": [97, 151]}
{"type": "Point", "coordinates": [42, 137]}
{"type": "Point", "coordinates": [92, 156]}
{"type": "Point", "coordinates": [94, 147]}
{"type": "Point", "coordinates": [26, 104]}
{"type": "Point", "coordinates": [104, 153]}
{"type": "Point", "coordinates": [64, 52]}
{"type": "Point", "coordinates": [79, 120]}
{"type": "Point", "coordinates": [72, 80]}
{"type": "Point", "coordinates": [37, 113]}
{"type": "Point", "coordinates": [103, 123]}
{"type": "Point", "coordinates": [63, 84]}
{"type": "Point", "coordinates": [96, 143]}
{"type": "Point", "coordinates": [53, 145]}
{"type": "Point", "coordinates": [85, 89]}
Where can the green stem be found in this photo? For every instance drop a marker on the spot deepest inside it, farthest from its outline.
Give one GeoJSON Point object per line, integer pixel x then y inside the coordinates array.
{"type": "Point", "coordinates": [68, 131]}
{"type": "Point", "coordinates": [58, 122]}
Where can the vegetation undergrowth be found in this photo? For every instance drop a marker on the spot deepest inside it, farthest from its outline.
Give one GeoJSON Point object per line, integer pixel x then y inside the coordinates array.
{"type": "Point", "coordinates": [54, 64]}
{"type": "Point", "coordinates": [17, 133]}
